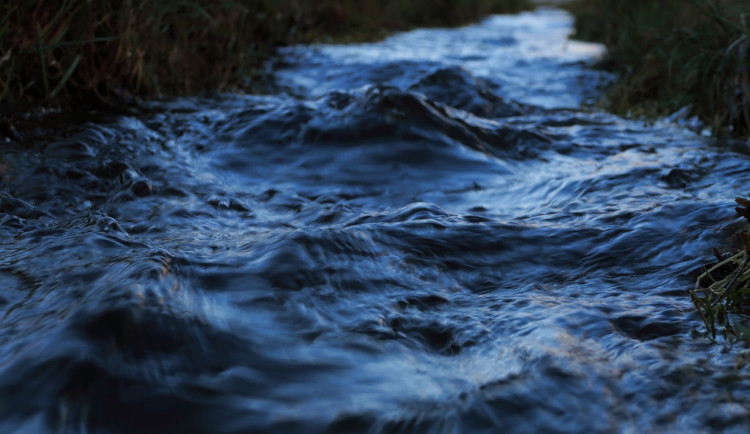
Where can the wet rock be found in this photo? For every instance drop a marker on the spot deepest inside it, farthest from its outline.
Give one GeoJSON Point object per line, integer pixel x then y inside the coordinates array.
{"type": "Point", "coordinates": [141, 188]}
{"type": "Point", "coordinates": [677, 178]}
{"type": "Point", "coordinates": [227, 203]}
{"type": "Point", "coordinates": [110, 170]}
{"type": "Point", "coordinates": [384, 112]}
{"type": "Point", "coordinates": [456, 87]}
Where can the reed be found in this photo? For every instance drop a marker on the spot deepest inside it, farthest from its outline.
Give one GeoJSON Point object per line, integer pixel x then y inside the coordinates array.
{"type": "Point", "coordinates": [67, 52]}
{"type": "Point", "coordinates": [675, 53]}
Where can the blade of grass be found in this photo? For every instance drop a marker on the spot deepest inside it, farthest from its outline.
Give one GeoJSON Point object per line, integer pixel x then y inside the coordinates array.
{"type": "Point", "coordinates": [66, 76]}
{"type": "Point", "coordinates": [5, 87]}
{"type": "Point", "coordinates": [77, 43]}
{"type": "Point", "coordinates": [42, 61]}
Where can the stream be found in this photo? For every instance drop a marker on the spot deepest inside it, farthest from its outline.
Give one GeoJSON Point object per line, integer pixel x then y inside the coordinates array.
{"type": "Point", "coordinates": [438, 232]}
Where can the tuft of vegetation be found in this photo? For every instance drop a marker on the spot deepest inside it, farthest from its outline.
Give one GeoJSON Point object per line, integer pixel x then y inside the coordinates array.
{"type": "Point", "coordinates": [64, 52]}
{"type": "Point", "coordinates": [675, 53]}
{"type": "Point", "coordinates": [722, 291]}
{"type": "Point", "coordinates": [70, 50]}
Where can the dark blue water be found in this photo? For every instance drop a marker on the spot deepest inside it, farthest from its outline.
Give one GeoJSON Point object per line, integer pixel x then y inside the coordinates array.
{"type": "Point", "coordinates": [434, 233]}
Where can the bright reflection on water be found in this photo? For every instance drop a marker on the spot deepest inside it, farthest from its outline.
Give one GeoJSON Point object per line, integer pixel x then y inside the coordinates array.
{"type": "Point", "coordinates": [427, 234]}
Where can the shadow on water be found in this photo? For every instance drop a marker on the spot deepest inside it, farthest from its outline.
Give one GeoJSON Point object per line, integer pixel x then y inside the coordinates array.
{"type": "Point", "coordinates": [428, 234]}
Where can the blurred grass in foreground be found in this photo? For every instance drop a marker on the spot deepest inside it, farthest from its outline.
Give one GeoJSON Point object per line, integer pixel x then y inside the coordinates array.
{"type": "Point", "coordinates": [675, 53]}
{"type": "Point", "coordinates": [63, 52]}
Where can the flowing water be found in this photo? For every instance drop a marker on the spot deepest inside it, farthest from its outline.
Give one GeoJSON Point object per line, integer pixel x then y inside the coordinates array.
{"type": "Point", "coordinates": [427, 234]}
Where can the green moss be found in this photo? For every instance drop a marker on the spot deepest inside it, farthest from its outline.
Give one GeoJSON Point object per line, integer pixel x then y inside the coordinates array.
{"type": "Point", "coordinates": [62, 52]}
{"type": "Point", "coordinates": [675, 53]}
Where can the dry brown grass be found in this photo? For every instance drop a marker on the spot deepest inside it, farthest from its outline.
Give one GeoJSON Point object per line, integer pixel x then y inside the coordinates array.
{"type": "Point", "coordinates": [56, 52]}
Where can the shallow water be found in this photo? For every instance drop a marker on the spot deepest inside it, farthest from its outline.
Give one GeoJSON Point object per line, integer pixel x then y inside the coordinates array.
{"type": "Point", "coordinates": [428, 234]}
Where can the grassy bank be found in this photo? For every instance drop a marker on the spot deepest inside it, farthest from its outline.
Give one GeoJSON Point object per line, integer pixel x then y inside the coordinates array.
{"type": "Point", "coordinates": [62, 52]}
{"type": "Point", "coordinates": [675, 53]}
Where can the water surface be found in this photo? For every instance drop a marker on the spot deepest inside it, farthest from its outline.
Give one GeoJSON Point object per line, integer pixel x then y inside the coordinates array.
{"type": "Point", "coordinates": [434, 233]}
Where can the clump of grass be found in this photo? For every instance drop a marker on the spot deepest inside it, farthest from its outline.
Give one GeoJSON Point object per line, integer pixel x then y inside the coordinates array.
{"type": "Point", "coordinates": [722, 291]}
{"type": "Point", "coordinates": [675, 53]}
{"type": "Point", "coordinates": [55, 52]}
{"type": "Point", "coordinates": [68, 50]}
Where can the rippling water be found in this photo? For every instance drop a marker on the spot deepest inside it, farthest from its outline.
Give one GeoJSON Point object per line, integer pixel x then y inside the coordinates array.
{"type": "Point", "coordinates": [427, 234]}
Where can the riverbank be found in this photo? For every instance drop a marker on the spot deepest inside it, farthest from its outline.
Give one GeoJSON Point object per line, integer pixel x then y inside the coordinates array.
{"type": "Point", "coordinates": [674, 54]}
{"type": "Point", "coordinates": [62, 53]}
